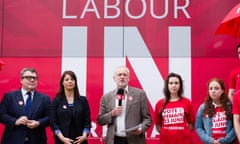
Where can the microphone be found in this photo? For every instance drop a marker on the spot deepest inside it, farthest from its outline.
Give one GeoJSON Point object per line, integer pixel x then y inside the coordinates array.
{"type": "Point", "coordinates": [120, 95]}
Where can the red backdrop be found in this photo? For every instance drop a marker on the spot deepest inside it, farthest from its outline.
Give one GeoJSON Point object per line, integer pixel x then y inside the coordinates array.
{"type": "Point", "coordinates": [31, 35]}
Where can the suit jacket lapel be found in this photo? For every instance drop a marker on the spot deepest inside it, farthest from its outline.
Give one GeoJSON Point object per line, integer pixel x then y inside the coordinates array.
{"type": "Point", "coordinates": [35, 104]}
{"type": "Point", "coordinates": [129, 98]}
{"type": "Point", "coordinates": [77, 105]}
{"type": "Point", "coordinates": [112, 99]}
{"type": "Point", "coordinates": [20, 102]}
{"type": "Point", "coordinates": [64, 105]}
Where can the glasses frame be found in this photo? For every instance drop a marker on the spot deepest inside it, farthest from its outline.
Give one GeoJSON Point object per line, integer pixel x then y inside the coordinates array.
{"type": "Point", "coordinates": [30, 78]}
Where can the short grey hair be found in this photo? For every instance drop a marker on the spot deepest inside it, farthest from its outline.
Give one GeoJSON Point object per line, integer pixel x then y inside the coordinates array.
{"type": "Point", "coordinates": [33, 70]}
{"type": "Point", "coordinates": [119, 67]}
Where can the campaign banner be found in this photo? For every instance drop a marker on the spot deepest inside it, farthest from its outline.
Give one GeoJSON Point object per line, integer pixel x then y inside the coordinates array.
{"type": "Point", "coordinates": [93, 37]}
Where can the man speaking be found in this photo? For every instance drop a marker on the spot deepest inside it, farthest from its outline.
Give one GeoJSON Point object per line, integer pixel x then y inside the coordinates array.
{"type": "Point", "coordinates": [125, 111]}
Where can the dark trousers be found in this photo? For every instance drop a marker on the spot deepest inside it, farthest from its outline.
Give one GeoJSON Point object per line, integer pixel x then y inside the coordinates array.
{"type": "Point", "coordinates": [120, 140]}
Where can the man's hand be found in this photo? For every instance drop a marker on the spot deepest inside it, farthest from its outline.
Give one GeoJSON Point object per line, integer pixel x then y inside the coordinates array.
{"type": "Point", "coordinates": [117, 111]}
{"type": "Point", "coordinates": [21, 121]}
{"type": "Point", "coordinates": [32, 124]}
{"type": "Point", "coordinates": [138, 131]}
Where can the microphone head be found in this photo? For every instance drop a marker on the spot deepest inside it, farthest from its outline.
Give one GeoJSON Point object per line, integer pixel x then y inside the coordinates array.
{"type": "Point", "coordinates": [120, 91]}
{"type": "Point", "coordinates": [120, 95]}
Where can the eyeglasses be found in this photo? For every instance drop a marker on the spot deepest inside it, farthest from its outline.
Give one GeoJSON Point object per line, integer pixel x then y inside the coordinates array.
{"type": "Point", "coordinates": [30, 77]}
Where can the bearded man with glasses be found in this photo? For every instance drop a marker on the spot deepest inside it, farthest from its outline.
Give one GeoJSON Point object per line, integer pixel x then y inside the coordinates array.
{"type": "Point", "coordinates": [25, 112]}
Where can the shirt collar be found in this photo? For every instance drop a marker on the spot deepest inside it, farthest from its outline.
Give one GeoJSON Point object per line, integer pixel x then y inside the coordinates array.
{"type": "Point", "coordinates": [125, 90]}
{"type": "Point", "coordinates": [24, 92]}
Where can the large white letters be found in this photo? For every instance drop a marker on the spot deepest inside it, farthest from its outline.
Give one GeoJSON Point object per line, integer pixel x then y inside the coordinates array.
{"type": "Point", "coordinates": [154, 8]}
{"type": "Point", "coordinates": [129, 44]}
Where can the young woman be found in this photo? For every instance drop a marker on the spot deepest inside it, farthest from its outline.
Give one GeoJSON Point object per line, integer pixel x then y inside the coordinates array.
{"type": "Point", "coordinates": [174, 114]}
{"type": "Point", "coordinates": [70, 113]}
{"type": "Point", "coordinates": [214, 123]}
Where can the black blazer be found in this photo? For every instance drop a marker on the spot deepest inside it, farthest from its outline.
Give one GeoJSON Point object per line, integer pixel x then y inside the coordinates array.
{"type": "Point", "coordinates": [12, 107]}
{"type": "Point", "coordinates": [61, 116]}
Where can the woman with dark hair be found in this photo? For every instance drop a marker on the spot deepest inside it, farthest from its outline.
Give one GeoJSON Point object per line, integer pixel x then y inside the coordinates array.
{"type": "Point", "coordinates": [70, 113]}
{"type": "Point", "coordinates": [174, 116]}
{"type": "Point", "coordinates": [214, 122]}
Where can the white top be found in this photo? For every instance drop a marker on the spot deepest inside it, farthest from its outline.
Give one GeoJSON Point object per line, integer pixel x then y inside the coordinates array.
{"type": "Point", "coordinates": [120, 120]}
{"type": "Point", "coordinates": [25, 95]}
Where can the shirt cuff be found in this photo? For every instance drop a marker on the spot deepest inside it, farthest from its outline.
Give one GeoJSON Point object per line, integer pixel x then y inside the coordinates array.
{"type": "Point", "coordinates": [56, 132]}
{"type": "Point", "coordinates": [86, 130]}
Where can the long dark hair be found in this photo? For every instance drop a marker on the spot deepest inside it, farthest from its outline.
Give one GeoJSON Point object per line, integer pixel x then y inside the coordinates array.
{"type": "Point", "coordinates": [61, 92]}
{"type": "Point", "coordinates": [166, 91]}
{"type": "Point", "coordinates": [209, 108]}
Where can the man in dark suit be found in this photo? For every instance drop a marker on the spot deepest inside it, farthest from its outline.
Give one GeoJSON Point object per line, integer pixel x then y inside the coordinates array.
{"type": "Point", "coordinates": [21, 126]}
{"type": "Point", "coordinates": [123, 108]}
